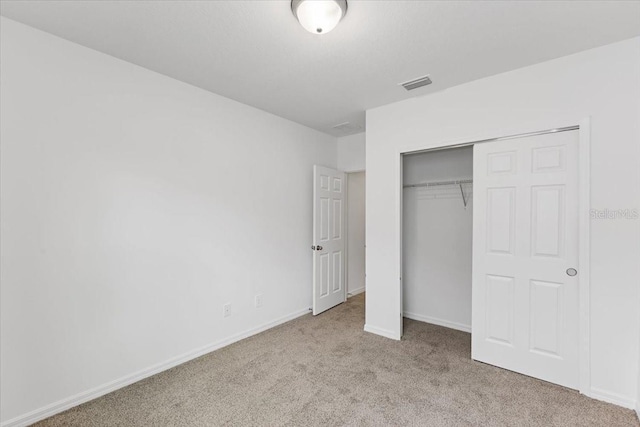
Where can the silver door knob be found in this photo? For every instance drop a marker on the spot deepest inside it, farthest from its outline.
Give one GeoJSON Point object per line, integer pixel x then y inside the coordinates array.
{"type": "Point", "coordinates": [571, 272]}
{"type": "Point", "coordinates": [319, 248]}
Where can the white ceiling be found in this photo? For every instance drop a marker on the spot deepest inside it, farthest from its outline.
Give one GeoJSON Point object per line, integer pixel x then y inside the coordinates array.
{"type": "Point", "coordinates": [255, 51]}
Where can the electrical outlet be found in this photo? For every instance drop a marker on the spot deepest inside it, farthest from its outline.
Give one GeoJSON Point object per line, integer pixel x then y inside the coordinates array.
{"type": "Point", "coordinates": [226, 310]}
{"type": "Point", "coordinates": [258, 301]}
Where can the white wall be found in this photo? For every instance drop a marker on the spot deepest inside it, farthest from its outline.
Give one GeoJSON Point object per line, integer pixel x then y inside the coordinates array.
{"type": "Point", "coordinates": [351, 153]}
{"type": "Point", "coordinates": [437, 230]}
{"type": "Point", "coordinates": [133, 207]}
{"type": "Point", "coordinates": [356, 220]}
{"type": "Point", "coordinates": [603, 84]}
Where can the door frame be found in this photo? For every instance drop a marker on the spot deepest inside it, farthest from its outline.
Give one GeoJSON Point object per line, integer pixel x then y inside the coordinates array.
{"type": "Point", "coordinates": [583, 126]}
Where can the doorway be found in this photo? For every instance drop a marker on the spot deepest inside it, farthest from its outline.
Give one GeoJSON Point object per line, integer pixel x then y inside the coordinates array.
{"type": "Point", "coordinates": [356, 224]}
{"type": "Point", "coordinates": [338, 237]}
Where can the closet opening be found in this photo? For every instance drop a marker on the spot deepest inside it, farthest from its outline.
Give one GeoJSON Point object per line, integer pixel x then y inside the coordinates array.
{"type": "Point", "coordinates": [505, 220]}
{"type": "Point", "coordinates": [437, 230]}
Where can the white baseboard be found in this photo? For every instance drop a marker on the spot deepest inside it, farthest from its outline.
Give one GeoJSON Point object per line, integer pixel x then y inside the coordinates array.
{"type": "Point", "coordinates": [355, 292]}
{"type": "Point", "coordinates": [382, 332]}
{"type": "Point", "coordinates": [616, 399]}
{"type": "Point", "coordinates": [439, 322]}
{"type": "Point", "coordinates": [64, 404]}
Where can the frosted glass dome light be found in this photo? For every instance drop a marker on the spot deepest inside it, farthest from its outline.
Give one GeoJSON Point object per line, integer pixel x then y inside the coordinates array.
{"type": "Point", "coordinates": [319, 16]}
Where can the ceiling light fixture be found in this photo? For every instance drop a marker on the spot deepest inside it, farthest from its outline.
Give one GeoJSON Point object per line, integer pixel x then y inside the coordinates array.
{"type": "Point", "coordinates": [319, 16]}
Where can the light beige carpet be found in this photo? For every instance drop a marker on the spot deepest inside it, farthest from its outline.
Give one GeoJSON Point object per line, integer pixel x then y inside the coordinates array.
{"type": "Point", "coordinates": [326, 371]}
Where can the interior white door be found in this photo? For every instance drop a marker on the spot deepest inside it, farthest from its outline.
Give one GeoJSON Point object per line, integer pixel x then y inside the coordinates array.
{"type": "Point", "coordinates": [328, 238]}
{"type": "Point", "coordinates": [525, 247]}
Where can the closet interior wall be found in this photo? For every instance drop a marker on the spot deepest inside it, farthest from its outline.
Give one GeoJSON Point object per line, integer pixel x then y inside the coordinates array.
{"type": "Point", "coordinates": [437, 237]}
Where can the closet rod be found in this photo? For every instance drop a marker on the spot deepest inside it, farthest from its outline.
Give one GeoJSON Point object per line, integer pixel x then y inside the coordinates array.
{"type": "Point", "coordinates": [437, 183]}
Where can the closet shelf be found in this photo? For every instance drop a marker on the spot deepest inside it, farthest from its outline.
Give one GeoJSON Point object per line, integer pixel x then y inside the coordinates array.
{"type": "Point", "coordinates": [437, 183]}
{"type": "Point", "coordinates": [441, 183]}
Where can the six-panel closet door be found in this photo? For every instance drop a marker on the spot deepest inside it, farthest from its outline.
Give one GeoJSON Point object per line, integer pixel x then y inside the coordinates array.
{"type": "Point", "coordinates": [525, 253]}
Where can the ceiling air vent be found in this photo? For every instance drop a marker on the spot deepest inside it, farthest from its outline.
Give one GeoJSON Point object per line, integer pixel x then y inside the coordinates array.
{"type": "Point", "coordinates": [415, 84]}
{"type": "Point", "coordinates": [346, 128]}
